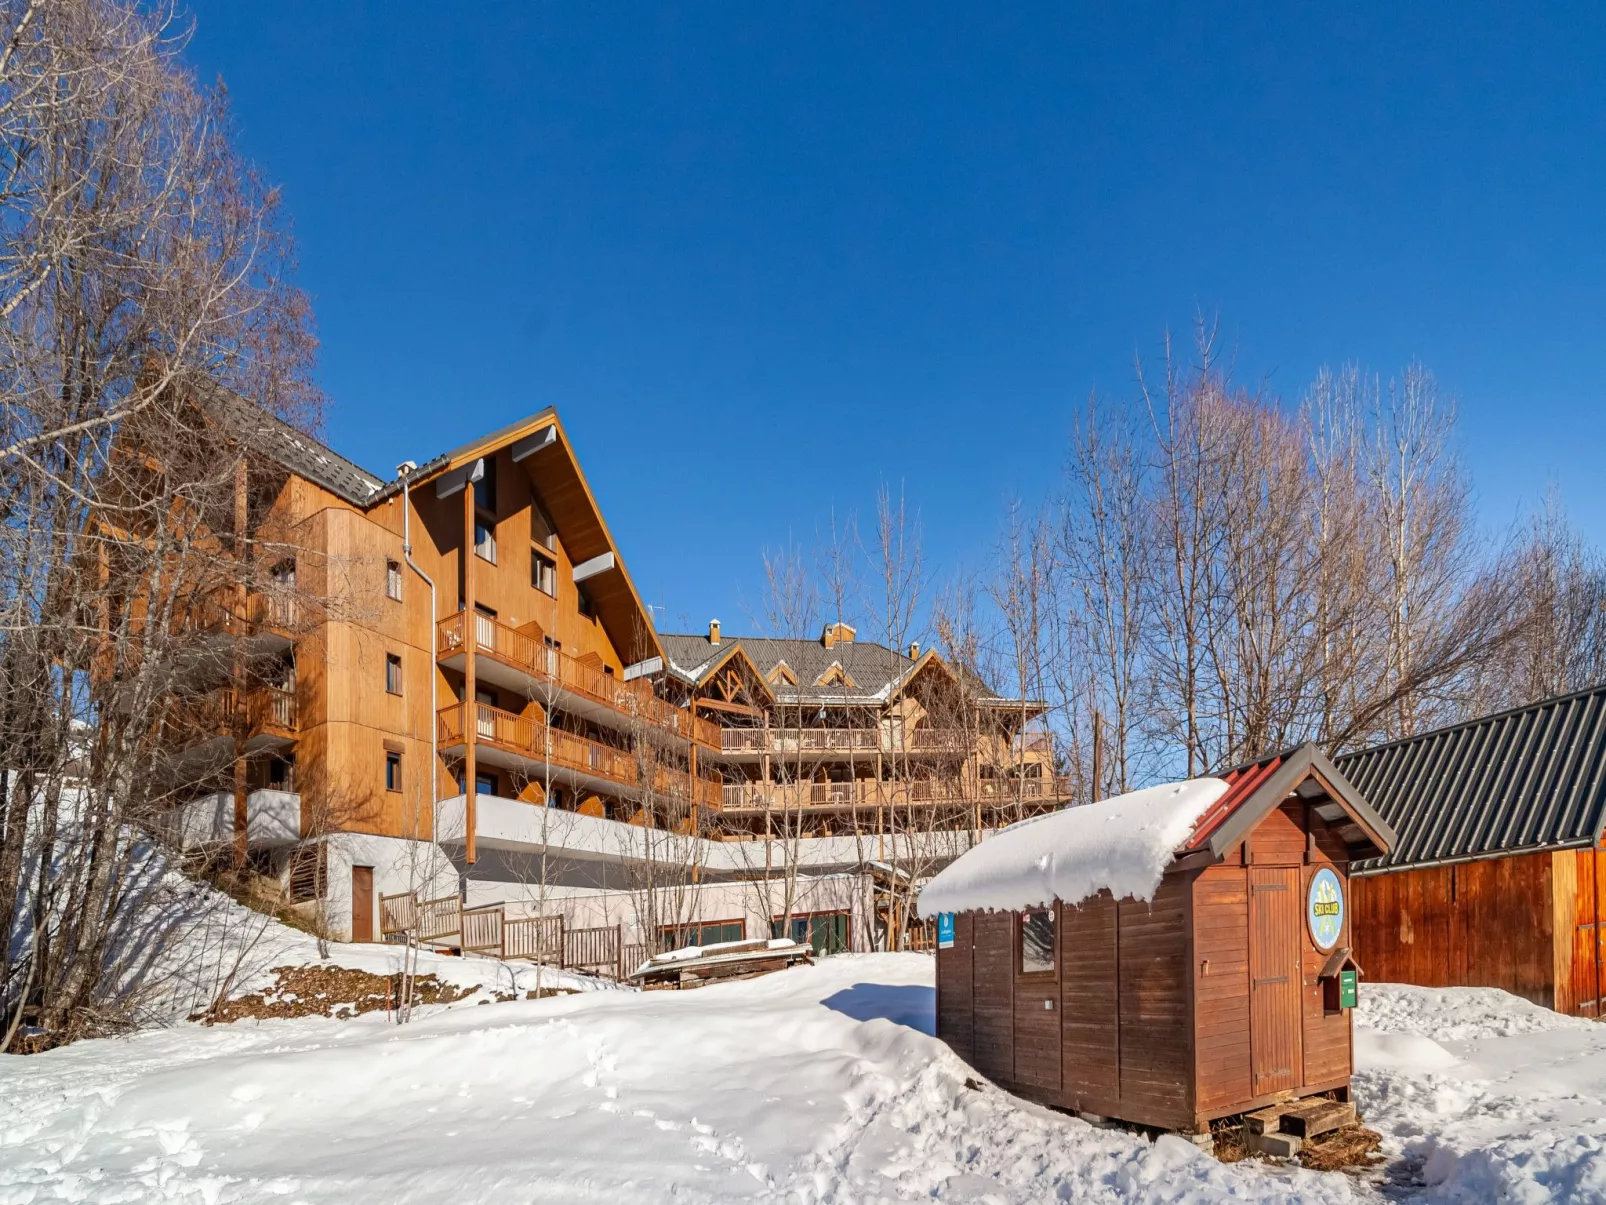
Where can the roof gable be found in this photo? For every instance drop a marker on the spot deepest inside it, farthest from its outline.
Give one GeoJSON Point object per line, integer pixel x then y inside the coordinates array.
{"type": "Point", "coordinates": [1255, 789]}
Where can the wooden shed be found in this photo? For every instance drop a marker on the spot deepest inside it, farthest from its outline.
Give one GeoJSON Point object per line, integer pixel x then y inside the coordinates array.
{"type": "Point", "coordinates": [1498, 878]}
{"type": "Point", "coordinates": [1167, 957]}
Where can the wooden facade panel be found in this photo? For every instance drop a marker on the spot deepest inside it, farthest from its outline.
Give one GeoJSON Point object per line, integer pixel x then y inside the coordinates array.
{"type": "Point", "coordinates": [1089, 999]}
{"type": "Point", "coordinates": [993, 1021]}
{"type": "Point", "coordinates": [1279, 839]}
{"type": "Point", "coordinates": [1326, 1037]}
{"type": "Point", "coordinates": [955, 991]}
{"type": "Point", "coordinates": [1221, 986]}
{"type": "Point", "coordinates": [1155, 1074]}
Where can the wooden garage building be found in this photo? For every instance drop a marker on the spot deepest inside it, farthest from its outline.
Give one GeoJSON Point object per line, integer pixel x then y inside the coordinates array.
{"type": "Point", "coordinates": [1211, 997]}
{"type": "Point", "coordinates": [1498, 878]}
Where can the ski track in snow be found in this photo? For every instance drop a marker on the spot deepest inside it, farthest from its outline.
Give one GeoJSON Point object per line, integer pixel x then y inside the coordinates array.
{"type": "Point", "coordinates": [816, 1086]}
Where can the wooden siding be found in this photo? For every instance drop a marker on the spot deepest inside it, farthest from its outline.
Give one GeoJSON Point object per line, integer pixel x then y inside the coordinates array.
{"type": "Point", "coordinates": [1221, 987]}
{"type": "Point", "coordinates": [1090, 1003]}
{"type": "Point", "coordinates": [1037, 1022]}
{"type": "Point", "coordinates": [1325, 1035]}
{"type": "Point", "coordinates": [1156, 1039]}
{"type": "Point", "coordinates": [994, 983]}
{"type": "Point", "coordinates": [955, 996]}
{"type": "Point", "coordinates": [1490, 923]}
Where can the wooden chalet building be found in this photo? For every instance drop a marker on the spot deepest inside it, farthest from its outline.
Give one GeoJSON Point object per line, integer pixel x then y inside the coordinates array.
{"type": "Point", "coordinates": [1167, 957]}
{"type": "Point", "coordinates": [455, 690]}
{"type": "Point", "coordinates": [1497, 878]}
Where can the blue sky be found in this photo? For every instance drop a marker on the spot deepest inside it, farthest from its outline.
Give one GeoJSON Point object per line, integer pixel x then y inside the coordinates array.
{"type": "Point", "coordinates": [762, 257]}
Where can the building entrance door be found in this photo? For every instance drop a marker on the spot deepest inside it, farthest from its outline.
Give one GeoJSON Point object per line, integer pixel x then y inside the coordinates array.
{"type": "Point", "coordinates": [362, 903]}
{"type": "Point", "coordinates": [1274, 979]}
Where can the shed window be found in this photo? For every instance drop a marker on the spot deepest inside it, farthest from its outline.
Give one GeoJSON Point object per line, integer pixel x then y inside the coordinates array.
{"type": "Point", "coordinates": [1037, 942]}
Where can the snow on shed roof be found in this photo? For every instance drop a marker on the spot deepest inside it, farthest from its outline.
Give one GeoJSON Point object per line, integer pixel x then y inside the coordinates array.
{"type": "Point", "coordinates": [1122, 844]}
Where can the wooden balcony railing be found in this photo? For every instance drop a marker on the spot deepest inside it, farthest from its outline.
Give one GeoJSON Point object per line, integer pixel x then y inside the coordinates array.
{"type": "Point", "coordinates": [271, 708]}
{"type": "Point", "coordinates": [808, 740]}
{"type": "Point", "coordinates": [530, 737]}
{"type": "Point", "coordinates": [869, 793]}
{"type": "Point", "coordinates": [526, 650]}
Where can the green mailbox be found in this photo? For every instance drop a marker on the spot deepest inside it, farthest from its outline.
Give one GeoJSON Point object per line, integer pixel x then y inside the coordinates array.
{"type": "Point", "coordinates": [1346, 989]}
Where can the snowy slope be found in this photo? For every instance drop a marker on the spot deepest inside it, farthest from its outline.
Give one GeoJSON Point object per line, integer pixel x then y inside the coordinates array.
{"type": "Point", "coordinates": [208, 944]}
{"type": "Point", "coordinates": [819, 1084]}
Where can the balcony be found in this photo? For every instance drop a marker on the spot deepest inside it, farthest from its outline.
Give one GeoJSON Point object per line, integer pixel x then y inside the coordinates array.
{"type": "Point", "coordinates": [525, 745]}
{"type": "Point", "coordinates": [867, 793]}
{"type": "Point", "coordinates": [520, 660]}
{"type": "Point", "coordinates": [268, 623]}
{"type": "Point", "coordinates": [841, 744]}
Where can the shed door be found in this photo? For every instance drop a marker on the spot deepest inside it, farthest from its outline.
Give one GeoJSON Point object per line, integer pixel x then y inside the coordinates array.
{"type": "Point", "coordinates": [362, 903]}
{"type": "Point", "coordinates": [1274, 979]}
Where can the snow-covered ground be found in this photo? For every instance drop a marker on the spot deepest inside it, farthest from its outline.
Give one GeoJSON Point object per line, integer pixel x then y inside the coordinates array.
{"type": "Point", "coordinates": [819, 1084]}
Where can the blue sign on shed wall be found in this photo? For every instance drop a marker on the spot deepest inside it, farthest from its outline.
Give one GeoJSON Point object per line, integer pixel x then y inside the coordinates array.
{"type": "Point", "coordinates": [945, 930]}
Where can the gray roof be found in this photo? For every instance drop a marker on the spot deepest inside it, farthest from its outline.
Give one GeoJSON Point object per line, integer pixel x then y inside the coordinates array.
{"type": "Point", "coordinates": [1527, 779]}
{"type": "Point", "coordinates": [297, 451]}
{"type": "Point", "coordinates": [874, 668]}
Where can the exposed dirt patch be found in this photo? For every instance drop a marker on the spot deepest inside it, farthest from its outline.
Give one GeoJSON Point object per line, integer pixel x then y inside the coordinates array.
{"type": "Point", "coordinates": [329, 991]}
{"type": "Point", "coordinates": [1352, 1147]}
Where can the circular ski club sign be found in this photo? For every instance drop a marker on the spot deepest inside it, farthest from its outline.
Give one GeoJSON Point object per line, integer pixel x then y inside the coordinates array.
{"type": "Point", "coordinates": [1324, 908]}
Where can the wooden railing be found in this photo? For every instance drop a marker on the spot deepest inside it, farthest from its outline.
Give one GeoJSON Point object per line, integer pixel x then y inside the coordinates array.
{"type": "Point", "coordinates": [593, 948]}
{"type": "Point", "coordinates": [530, 736]}
{"type": "Point", "coordinates": [538, 938]}
{"type": "Point", "coordinates": [482, 930]}
{"type": "Point", "coordinates": [810, 740]}
{"type": "Point", "coordinates": [525, 649]}
{"type": "Point", "coordinates": [488, 930]}
{"type": "Point", "coordinates": [271, 707]}
{"type": "Point", "coordinates": [869, 793]}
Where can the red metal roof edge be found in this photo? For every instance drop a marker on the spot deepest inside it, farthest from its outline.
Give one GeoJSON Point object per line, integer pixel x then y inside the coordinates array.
{"type": "Point", "coordinates": [1242, 782]}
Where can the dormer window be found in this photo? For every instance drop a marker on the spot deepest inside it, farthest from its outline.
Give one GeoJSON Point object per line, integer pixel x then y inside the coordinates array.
{"type": "Point", "coordinates": [836, 676]}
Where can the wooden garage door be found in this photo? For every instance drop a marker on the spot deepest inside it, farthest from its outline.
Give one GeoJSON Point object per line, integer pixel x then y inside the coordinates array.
{"type": "Point", "coordinates": [1274, 978]}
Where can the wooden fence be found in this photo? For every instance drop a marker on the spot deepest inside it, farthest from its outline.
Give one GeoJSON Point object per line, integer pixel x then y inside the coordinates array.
{"type": "Point", "coordinates": [488, 930]}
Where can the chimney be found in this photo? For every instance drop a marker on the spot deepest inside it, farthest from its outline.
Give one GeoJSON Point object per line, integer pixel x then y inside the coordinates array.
{"type": "Point", "coordinates": [713, 631]}
{"type": "Point", "coordinates": [914, 650]}
{"type": "Point", "coordinates": [837, 633]}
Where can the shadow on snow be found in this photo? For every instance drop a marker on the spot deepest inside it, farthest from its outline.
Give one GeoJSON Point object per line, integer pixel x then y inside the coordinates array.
{"type": "Point", "coordinates": [902, 1004]}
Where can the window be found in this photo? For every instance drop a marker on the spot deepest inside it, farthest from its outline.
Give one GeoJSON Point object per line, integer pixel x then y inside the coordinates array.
{"type": "Point", "coordinates": [284, 574]}
{"type": "Point", "coordinates": [673, 937]}
{"type": "Point", "coordinates": [393, 678]}
{"type": "Point", "coordinates": [485, 539]}
{"type": "Point", "coordinates": [1037, 942]}
{"type": "Point", "coordinates": [393, 580]}
{"type": "Point", "coordinates": [485, 490]}
{"type": "Point", "coordinates": [543, 572]}
{"type": "Point", "coordinates": [584, 602]}
{"type": "Point", "coordinates": [827, 932]}
{"type": "Point", "coordinates": [393, 778]}
{"type": "Point", "coordinates": [541, 530]}
{"type": "Point", "coordinates": [485, 782]}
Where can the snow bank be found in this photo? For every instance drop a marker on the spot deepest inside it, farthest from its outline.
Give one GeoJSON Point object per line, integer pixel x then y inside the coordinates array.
{"type": "Point", "coordinates": [1482, 1096]}
{"type": "Point", "coordinates": [1454, 1014]}
{"type": "Point", "coordinates": [1122, 844]}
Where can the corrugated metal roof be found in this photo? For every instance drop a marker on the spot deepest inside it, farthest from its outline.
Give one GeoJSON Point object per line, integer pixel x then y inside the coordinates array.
{"type": "Point", "coordinates": [1530, 778]}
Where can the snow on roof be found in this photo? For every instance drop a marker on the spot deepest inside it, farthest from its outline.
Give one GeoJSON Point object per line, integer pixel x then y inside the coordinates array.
{"type": "Point", "coordinates": [1122, 844]}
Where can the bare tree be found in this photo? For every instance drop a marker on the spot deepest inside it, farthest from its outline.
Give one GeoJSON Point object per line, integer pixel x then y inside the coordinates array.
{"type": "Point", "coordinates": [142, 287]}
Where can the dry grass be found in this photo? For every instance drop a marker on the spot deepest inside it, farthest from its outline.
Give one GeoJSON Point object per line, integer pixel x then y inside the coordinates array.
{"type": "Point", "coordinates": [1352, 1147]}
{"type": "Point", "coordinates": [327, 991]}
